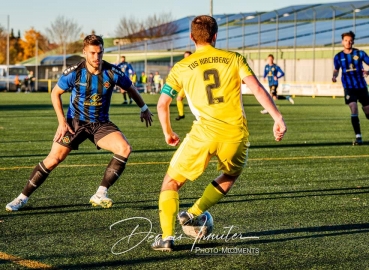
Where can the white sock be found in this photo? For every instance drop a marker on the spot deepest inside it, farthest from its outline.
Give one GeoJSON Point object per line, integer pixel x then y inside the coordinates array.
{"type": "Point", "coordinates": [23, 197]}
{"type": "Point", "coordinates": [169, 238]}
{"type": "Point", "coordinates": [358, 135]}
{"type": "Point", "coordinates": [102, 190]}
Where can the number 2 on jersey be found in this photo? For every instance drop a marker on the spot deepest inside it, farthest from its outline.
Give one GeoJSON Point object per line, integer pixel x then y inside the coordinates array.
{"type": "Point", "coordinates": [209, 75]}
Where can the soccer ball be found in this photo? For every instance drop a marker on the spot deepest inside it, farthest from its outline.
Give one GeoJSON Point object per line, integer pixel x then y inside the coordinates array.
{"type": "Point", "coordinates": [201, 226]}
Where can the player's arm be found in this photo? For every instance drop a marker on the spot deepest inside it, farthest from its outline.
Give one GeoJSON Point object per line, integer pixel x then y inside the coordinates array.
{"type": "Point", "coordinates": [130, 69]}
{"type": "Point", "coordinates": [265, 72]}
{"type": "Point", "coordinates": [165, 99]}
{"type": "Point", "coordinates": [365, 58]}
{"type": "Point", "coordinates": [280, 72]}
{"type": "Point", "coordinates": [63, 126]}
{"type": "Point", "coordinates": [145, 112]}
{"type": "Point", "coordinates": [262, 96]}
{"type": "Point", "coordinates": [337, 65]}
{"type": "Point", "coordinates": [126, 84]}
{"type": "Point", "coordinates": [335, 74]}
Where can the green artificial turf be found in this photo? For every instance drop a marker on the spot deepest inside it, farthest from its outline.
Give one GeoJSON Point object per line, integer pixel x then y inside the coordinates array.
{"type": "Point", "coordinates": [301, 203]}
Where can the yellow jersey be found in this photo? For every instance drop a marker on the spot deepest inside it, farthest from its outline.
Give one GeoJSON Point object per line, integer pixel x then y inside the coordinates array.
{"type": "Point", "coordinates": [211, 79]}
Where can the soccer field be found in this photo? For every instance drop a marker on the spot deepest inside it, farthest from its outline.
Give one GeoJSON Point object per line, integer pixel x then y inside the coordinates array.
{"type": "Point", "coordinates": [302, 203]}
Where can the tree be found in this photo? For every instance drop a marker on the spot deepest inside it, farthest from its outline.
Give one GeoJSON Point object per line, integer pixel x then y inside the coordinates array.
{"type": "Point", "coordinates": [3, 37]}
{"type": "Point", "coordinates": [128, 27]}
{"type": "Point", "coordinates": [159, 26]}
{"type": "Point", "coordinates": [63, 32]}
{"type": "Point", "coordinates": [28, 44]}
{"type": "Point", "coordinates": [154, 26]}
{"type": "Point", "coordinates": [15, 49]}
{"type": "Point", "coordinates": [15, 53]}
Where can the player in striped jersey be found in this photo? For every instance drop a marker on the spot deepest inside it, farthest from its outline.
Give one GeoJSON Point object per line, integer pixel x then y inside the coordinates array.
{"type": "Point", "coordinates": [274, 72]}
{"type": "Point", "coordinates": [350, 61]}
{"type": "Point", "coordinates": [92, 82]}
{"type": "Point", "coordinates": [211, 79]}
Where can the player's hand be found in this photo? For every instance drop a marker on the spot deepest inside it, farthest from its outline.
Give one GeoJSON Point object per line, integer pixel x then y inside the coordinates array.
{"type": "Point", "coordinates": [172, 139]}
{"type": "Point", "coordinates": [60, 132]}
{"type": "Point", "coordinates": [147, 116]}
{"type": "Point", "coordinates": [365, 73]}
{"type": "Point", "coordinates": [275, 78]}
{"type": "Point", "coordinates": [279, 129]}
{"type": "Point", "coordinates": [334, 79]}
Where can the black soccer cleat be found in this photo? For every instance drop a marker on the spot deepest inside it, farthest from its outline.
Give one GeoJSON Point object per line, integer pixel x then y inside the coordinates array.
{"type": "Point", "coordinates": [185, 218]}
{"type": "Point", "coordinates": [179, 117]}
{"type": "Point", "coordinates": [161, 245]}
{"type": "Point", "coordinates": [358, 141]}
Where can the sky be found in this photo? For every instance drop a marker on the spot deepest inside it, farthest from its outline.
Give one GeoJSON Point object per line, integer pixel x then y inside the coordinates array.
{"type": "Point", "coordinates": [103, 16]}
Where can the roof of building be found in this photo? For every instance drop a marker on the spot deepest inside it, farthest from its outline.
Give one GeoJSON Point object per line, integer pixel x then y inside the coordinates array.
{"type": "Point", "coordinates": [293, 26]}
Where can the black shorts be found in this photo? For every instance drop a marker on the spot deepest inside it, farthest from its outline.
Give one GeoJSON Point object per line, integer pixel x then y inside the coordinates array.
{"type": "Point", "coordinates": [355, 95]}
{"type": "Point", "coordinates": [86, 130]}
{"type": "Point", "coordinates": [273, 90]}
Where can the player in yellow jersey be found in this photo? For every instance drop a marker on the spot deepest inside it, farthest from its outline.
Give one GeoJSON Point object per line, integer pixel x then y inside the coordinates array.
{"type": "Point", "coordinates": [181, 95]}
{"type": "Point", "coordinates": [211, 79]}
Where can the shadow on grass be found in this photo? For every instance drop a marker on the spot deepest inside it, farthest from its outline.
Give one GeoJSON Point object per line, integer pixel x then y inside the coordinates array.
{"type": "Point", "coordinates": [97, 152]}
{"type": "Point", "coordinates": [285, 195]}
{"type": "Point", "coordinates": [318, 232]}
{"type": "Point", "coordinates": [129, 262]}
{"type": "Point", "coordinates": [318, 144]}
{"type": "Point", "coordinates": [298, 194]}
{"type": "Point", "coordinates": [330, 228]}
{"type": "Point", "coordinates": [28, 107]}
{"type": "Point", "coordinates": [86, 207]}
{"type": "Point", "coordinates": [79, 153]}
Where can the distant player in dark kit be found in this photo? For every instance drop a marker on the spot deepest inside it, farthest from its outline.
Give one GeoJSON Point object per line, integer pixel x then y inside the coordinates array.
{"type": "Point", "coordinates": [128, 71]}
{"type": "Point", "coordinates": [92, 82]}
{"type": "Point", "coordinates": [350, 61]}
{"type": "Point", "coordinates": [273, 72]}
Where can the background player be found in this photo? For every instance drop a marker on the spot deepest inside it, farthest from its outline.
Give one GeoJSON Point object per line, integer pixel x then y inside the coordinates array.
{"type": "Point", "coordinates": [92, 82]}
{"type": "Point", "coordinates": [274, 72]}
{"type": "Point", "coordinates": [128, 71]}
{"type": "Point", "coordinates": [181, 95]}
{"type": "Point", "coordinates": [350, 60]}
{"type": "Point", "coordinates": [212, 80]}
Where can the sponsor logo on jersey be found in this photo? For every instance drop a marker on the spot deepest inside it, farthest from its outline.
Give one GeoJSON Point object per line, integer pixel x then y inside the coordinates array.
{"type": "Point", "coordinates": [107, 84]}
{"type": "Point", "coordinates": [66, 140]}
{"type": "Point", "coordinates": [95, 100]}
{"type": "Point", "coordinates": [351, 68]}
{"type": "Point", "coordinates": [82, 84]}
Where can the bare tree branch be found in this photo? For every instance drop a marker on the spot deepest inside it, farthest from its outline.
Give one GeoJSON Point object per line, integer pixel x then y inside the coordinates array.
{"type": "Point", "coordinates": [160, 26]}
{"type": "Point", "coordinates": [154, 26]}
{"type": "Point", "coordinates": [63, 31]}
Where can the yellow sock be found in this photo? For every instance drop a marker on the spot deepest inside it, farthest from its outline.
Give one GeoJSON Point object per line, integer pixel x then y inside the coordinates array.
{"type": "Point", "coordinates": [180, 107]}
{"type": "Point", "coordinates": [168, 210]}
{"type": "Point", "coordinates": [210, 197]}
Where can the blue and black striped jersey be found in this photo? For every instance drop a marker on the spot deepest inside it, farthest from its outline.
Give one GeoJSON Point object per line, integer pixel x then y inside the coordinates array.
{"type": "Point", "coordinates": [91, 94]}
{"type": "Point", "coordinates": [126, 68]}
{"type": "Point", "coordinates": [271, 71]}
{"type": "Point", "coordinates": [352, 68]}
